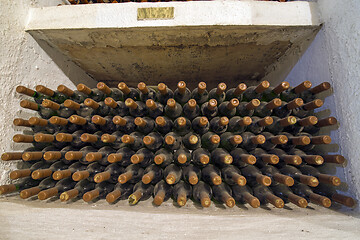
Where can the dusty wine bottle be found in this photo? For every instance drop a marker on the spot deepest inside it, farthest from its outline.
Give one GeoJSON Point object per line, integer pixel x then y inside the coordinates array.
{"type": "Point", "coordinates": [152, 174]}
{"type": "Point", "coordinates": [164, 93]}
{"type": "Point", "coordinates": [323, 178]}
{"type": "Point", "coordinates": [61, 109]}
{"type": "Point", "coordinates": [232, 176]}
{"type": "Point", "coordinates": [284, 192]}
{"type": "Point", "coordinates": [263, 158]}
{"type": "Point", "coordinates": [265, 195]}
{"type": "Point", "coordinates": [146, 93]}
{"type": "Point", "coordinates": [172, 109]}
{"type": "Point", "coordinates": [219, 124]}
{"type": "Point", "coordinates": [46, 172]}
{"type": "Point", "coordinates": [191, 109]}
{"type": "Point", "coordinates": [272, 141]}
{"type": "Point", "coordinates": [141, 191]}
{"type": "Point", "coordinates": [247, 108]}
{"type": "Point", "coordinates": [118, 108]}
{"type": "Point", "coordinates": [144, 125]}
{"type": "Point", "coordinates": [144, 157]}
{"type": "Point", "coordinates": [253, 92]}
{"type": "Point", "coordinates": [210, 141]}
{"type": "Point", "coordinates": [114, 93]}
{"type": "Point", "coordinates": [331, 193]}
{"type": "Point", "coordinates": [274, 92]}
{"type": "Point", "coordinates": [191, 174]}
{"type": "Point", "coordinates": [202, 193]}
{"type": "Point", "coordinates": [181, 193]}
{"type": "Point", "coordinates": [79, 189]}
{"type": "Point", "coordinates": [200, 94]}
{"type": "Point", "coordinates": [314, 140]}
{"type": "Point", "coordinates": [228, 108]}
{"type": "Point", "coordinates": [310, 94]}
{"type": "Point", "coordinates": [307, 109]}
{"type": "Point", "coordinates": [209, 109]}
{"type": "Point", "coordinates": [163, 125]}
{"type": "Point", "coordinates": [265, 108]}
{"type": "Point", "coordinates": [24, 183]}
{"type": "Point", "coordinates": [38, 97]}
{"type": "Point", "coordinates": [172, 174]}
{"type": "Point", "coordinates": [74, 139]}
{"type": "Point", "coordinates": [55, 96]}
{"type": "Point", "coordinates": [254, 176]}
{"type": "Point", "coordinates": [308, 158]}
{"type": "Point", "coordinates": [258, 124]}
{"type": "Point", "coordinates": [200, 157]}
{"type": "Point", "coordinates": [279, 124]}
{"type": "Point", "coordinates": [132, 174]}
{"type": "Point", "coordinates": [60, 187]}
{"type": "Point", "coordinates": [200, 125]}
{"type": "Point", "coordinates": [153, 141]}
{"type": "Point", "coordinates": [64, 124]}
{"type": "Point", "coordinates": [94, 93]}
{"type": "Point", "coordinates": [155, 109]}
{"type": "Point", "coordinates": [242, 158]}
{"type": "Point", "coordinates": [76, 96]}
{"type": "Point", "coordinates": [44, 184]}
{"type": "Point", "coordinates": [276, 177]}
{"type": "Point", "coordinates": [132, 93]}
{"type": "Point", "coordinates": [238, 124]}
{"type": "Point", "coordinates": [211, 175]}
{"type": "Point", "coordinates": [101, 190]}
{"type": "Point", "coordinates": [45, 113]}
{"type": "Point", "coordinates": [306, 192]}
{"type": "Point", "coordinates": [286, 108]}
{"type": "Point", "coordinates": [91, 170]}
{"type": "Point", "coordinates": [315, 128]}
{"type": "Point", "coordinates": [61, 174]}
{"type": "Point", "coordinates": [236, 92]}
{"type": "Point", "coordinates": [134, 140]}
{"type": "Point", "coordinates": [162, 192]}
{"type": "Point", "coordinates": [121, 191]}
{"type": "Point", "coordinates": [191, 141]}
{"type": "Point", "coordinates": [122, 156]}
{"type": "Point", "coordinates": [294, 92]}
{"type": "Point", "coordinates": [172, 141]}
{"type": "Point", "coordinates": [136, 108]}
{"type": "Point", "coordinates": [182, 126]}
{"type": "Point", "coordinates": [230, 141]}
{"type": "Point", "coordinates": [250, 141]}
{"type": "Point", "coordinates": [182, 94]}
{"type": "Point", "coordinates": [218, 93]}
{"type": "Point", "coordinates": [163, 157]}
{"type": "Point", "coordinates": [297, 175]}
{"type": "Point", "coordinates": [126, 124]}
{"type": "Point", "coordinates": [244, 194]}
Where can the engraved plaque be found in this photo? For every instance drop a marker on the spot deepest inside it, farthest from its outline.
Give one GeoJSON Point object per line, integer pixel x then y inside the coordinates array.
{"type": "Point", "coordinates": [155, 13]}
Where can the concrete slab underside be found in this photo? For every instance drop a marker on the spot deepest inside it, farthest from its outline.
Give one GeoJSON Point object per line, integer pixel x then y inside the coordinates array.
{"type": "Point", "coordinates": [32, 219]}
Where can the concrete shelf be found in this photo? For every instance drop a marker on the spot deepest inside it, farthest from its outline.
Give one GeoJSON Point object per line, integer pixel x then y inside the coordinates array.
{"type": "Point", "coordinates": [203, 40]}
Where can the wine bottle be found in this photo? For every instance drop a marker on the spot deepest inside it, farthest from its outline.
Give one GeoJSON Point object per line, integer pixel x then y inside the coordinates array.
{"type": "Point", "coordinates": [49, 139]}
{"type": "Point", "coordinates": [64, 125]}
{"type": "Point", "coordinates": [250, 141]}
{"type": "Point", "coordinates": [247, 108]}
{"type": "Point", "coordinates": [94, 93]}
{"type": "Point", "coordinates": [172, 141]}
{"type": "Point", "coordinates": [210, 141]}
{"type": "Point", "coordinates": [306, 192]}
{"type": "Point", "coordinates": [80, 109]}
{"type": "Point", "coordinates": [309, 159]}
{"type": "Point", "coordinates": [323, 178]}
{"type": "Point", "coordinates": [110, 174]}
{"type": "Point", "coordinates": [121, 191]}
{"type": "Point", "coordinates": [113, 93]}
{"type": "Point", "coordinates": [76, 96]}
{"type": "Point", "coordinates": [118, 108]}
{"type": "Point", "coordinates": [294, 92]}
{"type": "Point", "coordinates": [45, 113]}
{"type": "Point", "coordinates": [132, 93]}
{"type": "Point", "coordinates": [232, 176]}
{"type": "Point", "coordinates": [263, 158]}
{"type": "Point", "coordinates": [276, 177]}
{"type": "Point", "coordinates": [152, 174]}
{"type": "Point", "coordinates": [99, 108]}
{"type": "Point", "coordinates": [254, 176]}
{"type": "Point", "coordinates": [172, 174]}
{"type": "Point", "coordinates": [33, 155]}
{"type": "Point", "coordinates": [244, 194]}
{"type": "Point", "coordinates": [221, 157]}
{"type": "Point", "coordinates": [84, 123]}
{"type": "Point", "coordinates": [286, 108]}
{"type": "Point", "coordinates": [172, 109]}
{"type": "Point", "coordinates": [91, 170]}
{"type": "Point", "coordinates": [60, 109]}
{"type": "Point", "coordinates": [163, 157]}
{"type": "Point", "coordinates": [202, 193]}
{"type": "Point", "coordinates": [314, 140]}
{"type": "Point", "coordinates": [44, 184]}
{"type": "Point", "coordinates": [136, 108]}
{"type": "Point", "coordinates": [24, 183]}
{"type": "Point", "coordinates": [228, 108]}
{"type": "Point", "coordinates": [265, 195]}
{"type": "Point", "coordinates": [38, 97]}
{"type": "Point", "coordinates": [272, 141]}
{"type": "Point", "coordinates": [133, 141]}
{"type": "Point", "coordinates": [79, 190]}
{"type": "Point", "coordinates": [218, 93]}
{"type": "Point", "coordinates": [74, 139]}
{"type": "Point", "coordinates": [113, 140]}
{"type": "Point", "coordinates": [191, 109]}
{"type": "Point", "coordinates": [55, 96]}
{"type": "Point", "coordinates": [122, 156]}
{"type": "Point", "coordinates": [105, 124]}
{"type": "Point", "coordinates": [337, 159]}
{"type": "Point", "coordinates": [164, 93]}
{"type": "Point", "coordinates": [286, 158]}
{"type": "Point", "coordinates": [300, 124]}
{"type": "Point", "coordinates": [126, 124]}
{"type": "Point", "coordinates": [307, 109]}
{"type": "Point", "coordinates": [163, 125]}
{"type": "Point", "coordinates": [284, 192]}
{"type": "Point", "coordinates": [141, 191]}
{"type": "Point", "coordinates": [274, 92]}
{"type": "Point", "coordinates": [222, 194]}
{"type": "Point", "coordinates": [258, 124]}
{"type": "Point", "coordinates": [60, 187]}
{"type": "Point", "coordinates": [144, 125]}
{"type": "Point", "coordinates": [294, 141]}
{"type": "Point", "coordinates": [298, 176]}
{"type": "Point", "coordinates": [331, 193]}
{"type": "Point", "coordinates": [132, 174]}
{"type": "Point", "coordinates": [191, 141]}
{"type": "Point", "coordinates": [153, 141]}
{"type": "Point", "coordinates": [219, 124]}
{"type": "Point", "coordinates": [238, 124]}
{"type": "Point", "coordinates": [209, 109]}
{"type": "Point", "coordinates": [211, 175]}
{"type": "Point", "coordinates": [242, 158]}
{"type": "Point", "coordinates": [200, 125]}
{"type": "Point", "coordinates": [61, 174]}
{"type": "Point", "coordinates": [266, 108]}
{"type": "Point", "coordinates": [181, 193]}
{"type": "Point", "coordinates": [146, 92]}
{"type": "Point", "coordinates": [253, 92]}
{"type": "Point", "coordinates": [315, 128]}
{"type": "Point", "coordinates": [13, 156]}
{"type": "Point", "coordinates": [200, 94]}
{"type": "Point", "coordinates": [101, 190]}
{"type": "Point", "coordinates": [162, 192]}
{"type": "Point", "coordinates": [236, 92]}
{"type": "Point", "coordinates": [155, 109]}
{"type": "Point", "coordinates": [200, 157]}
{"type": "Point", "coordinates": [51, 155]}
{"type": "Point", "coordinates": [46, 172]}
{"type": "Point", "coordinates": [144, 157]}
{"type": "Point", "coordinates": [93, 139]}
{"type": "Point", "coordinates": [80, 155]}
{"type": "Point", "coordinates": [310, 94]}
{"type": "Point", "coordinates": [191, 174]}
{"type": "Point", "coordinates": [182, 157]}
{"type": "Point", "coordinates": [229, 141]}
{"type": "Point", "coordinates": [182, 94]}
{"type": "Point", "coordinates": [279, 124]}
{"type": "Point", "coordinates": [22, 138]}
{"type": "Point", "coordinates": [182, 126]}
{"type": "Point", "coordinates": [36, 125]}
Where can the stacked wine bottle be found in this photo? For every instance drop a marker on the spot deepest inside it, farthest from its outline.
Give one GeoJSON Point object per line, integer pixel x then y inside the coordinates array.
{"type": "Point", "coordinates": [247, 145]}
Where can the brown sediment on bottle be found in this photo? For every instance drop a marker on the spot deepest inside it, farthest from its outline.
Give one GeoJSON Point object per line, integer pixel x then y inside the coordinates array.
{"type": "Point", "coordinates": [233, 103]}
{"type": "Point", "coordinates": [281, 178]}
{"type": "Point", "coordinates": [182, 159]}
{"type": "Point", "coordinates": [16, 174]}
{"type": "Point", "coordinates": [110, 102]}
{"type": "Point", "coordinates": [270, 158]}
{"type": "Point", "coordinates": [262, 87]}
{"type": "Point", "coordinates": [275, 201]}
{"type": "Point", "coordinates": [302, 87]}
{"type": "Point", "coordinates": [24, 90]}
{"type": "Point", "coordinates": [58, 121]}
{"type": "Point", "coordinates": [73, 155]}
{"type": "Point", "coordinates": [115, 157]}
{"type": "Point", "coordinates": [75, 119]}
{"type": "Point", "coordinates": [30, 156]}
{"type": "Point", "coordinates": [203, 121]}
{"type": "Point", "coordinates": [107, 138]}
{"type": "Point", "coordinates": [84, 89]}
{"type": "Point", "coordinates": [23, 138]}
{"type": "Point", "coordinates": [338, 159]}
{"type": "Point", "coordinates": [170, 178]}
{"type": "Point", "coordinates": [159, 197]}
{"type": "Point", "coordinates": [26, 193]}
{"type": "Point", "coordinates": [263, 180]}
{"type": "Point", "coordinates": [220, 89]}
{"type": "Point", "coordinates": [313, 159]}
{"type": "Point", "coordinates": [171, 103]}
{"type": "Point", "coordinates": [254, 103]}
{"type": "Point", "coordinates": [297, 102]}
{"type": "Point", "coordinates": [104, 88]}
{"type": "Point", "coordinates": [215, 139]}
{"type": "Point", "coordinates": [279, 139]}
{"type": "Point", "coordinates": [91, 103]}
{"type": "Point", "coordinates": [313, 105]}
{"type": "Point", "coordinates": [7, 188]}
{"type": "Point", "coordinates": [29, 105]}
{"type": "Point", "coordinates": [124, 88]}
{"type": "Point", "coordinates": [50, 104]}
{"type": "Point", "coordinates": [44, 90]}
{"type": "Point", "coordinates": [88, 196]}
{"type": "Point", "coordinates": [66, 196]}
{"type": "Point", "coordinates": [192, 104]}
{"type": "Point", "coordinates": [276, 102]}
{"type": "Point", "coordinates": [93, 156]}
{"type": "Point", "coordinates": [137, 158]}
{"type": "Point", "coordinates": [160, 121]}
{"type": "Point", "coordinates": [266, 121]}
{"type": "Point", "coordinates": [297, 200]}
{"type": "Point", "coordinates": [308, 121]}
{"type": "Point", "coordinates": [287, 121]}
{"type": "Point", "coordinates": [223, 121]}
{"type": "Point", "coordinates": [328, 179]}
{"type": "Point", "coordinates": [41, 137]}
{"type": "Point", "coordinates": [37, 121]}
{"type": "Point", "coordinates": [212, 104]}
{"type": "Point", "coordinates": [320, 88]}
{"type": "Point", "coordinates": [240, 89]}
{"type": "Point", "coordinates": [41, 173]}
{"type": "Point", "coordinates": [162, 88]}
{"type": "Point", "coordinates": [309, 180]}
{"type": "Point", "coordinates": [143, 88]}
{"type": "Point", "coordinates": [52, 155]}
{"type": "Point", "coordinates": [181, 121]}
{"type": "Point", "coordinates": [292, 159]}
{"type": "Point", "coordinates": [301, 140]}
{"type": "Point", "coordinates": [119, 121]}
{"type": "Point", "coordinates": [58, 175]}
{"type": "Point", "coordinates": [9, 156]}
{"type": "Point", "coordinates": [181, 86]}
{"type": "Point", "coordinates": [21, 122]}
{"type": "Point", "coordinates": [148, 177]}
{"type": "Point", "coordinates": [201, 87]}
{"type": "Point", "coordinates": [259, 139]}
{"type": "Point", "coordinates": [204, 159]}
{"type": "Point", "coordinates": [135, 197]}
{"type": "Point", "coordinates": [249, 159]}
{"type": "Point", "coordinates": [159, 159]}
{"type": "Point", "coordinates": [326, 122]}
{"type": "Point", "coordinates": [236, 139]}
{"type": "Point", "coordinates": [45, 194]}
{"type": "Point", "coordinates": [79, 175]}
{"type": "Point", "coordinates": [113, 196]}
{"type": "Point", "coordinates": [281, 87]}
{"type": "Point", "coordinates": [324, 139]}
{"type": "Point", "coordinates": [90, 138]}
{"type": "Point", "coordinates": [140, 122]}
{"type": "Point", "coordinates": [320, 200]}
{"type": "Point", "coordinates": [151, 104]}
{"type": "Point", "coordinates": [101, 177]}
{"type": "Point", "coordinates": [65, 90]}
{"type": "Point", "coordinates": [344, 200]}
{"type": "Point", "coordinates": [98, 120]}
{"type": "Point", "coordinates": [71, 104]}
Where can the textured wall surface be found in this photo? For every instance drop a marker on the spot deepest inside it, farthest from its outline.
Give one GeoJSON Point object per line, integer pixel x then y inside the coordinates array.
{"type": "Point", "coordinates": [23, 61]}
{"type": "Point", "coordinates": [334, 56]}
